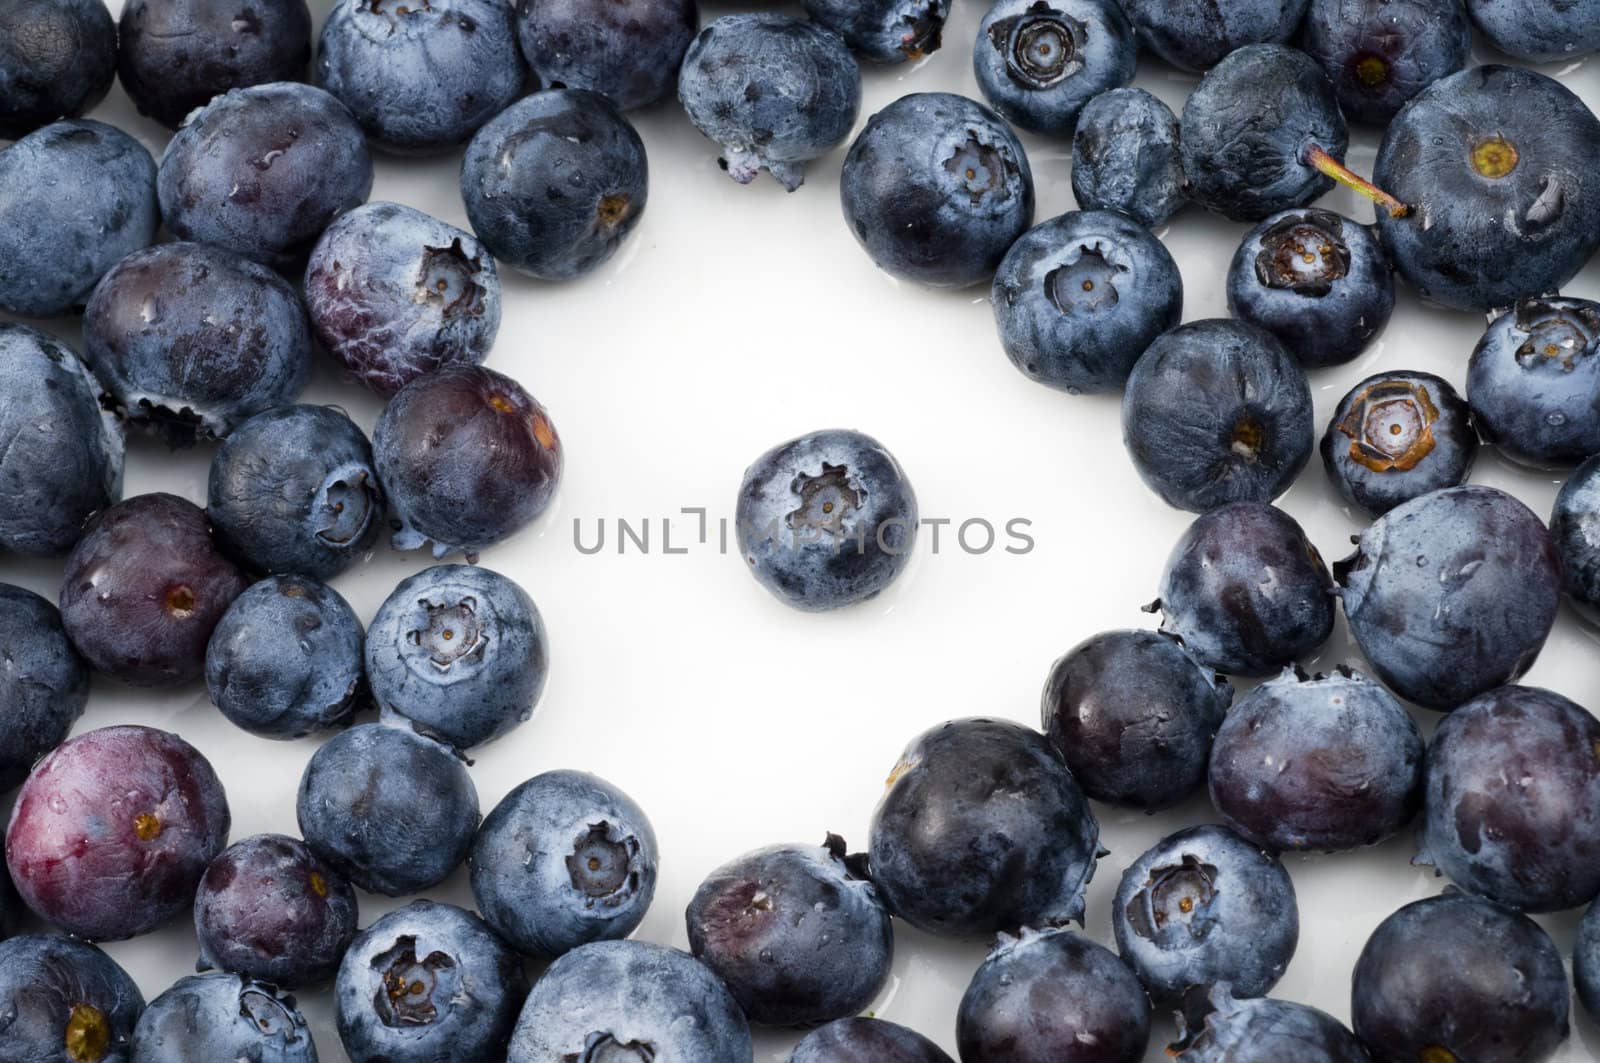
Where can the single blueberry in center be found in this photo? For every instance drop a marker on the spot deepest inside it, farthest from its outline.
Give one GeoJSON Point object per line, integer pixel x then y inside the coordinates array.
{"type": "Point", "coordinates": [601, 865]}
{"type": "Point", "coordinates": [1304, 254]}
{"type": "Point", "coordinates": [1176, 898]}
{"type": "Point", "coordinates": [411, 986]}
{"type": "Point", "coordinates": [451, 632]}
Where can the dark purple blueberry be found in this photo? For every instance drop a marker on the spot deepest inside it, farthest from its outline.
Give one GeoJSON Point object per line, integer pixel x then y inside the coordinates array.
{"type": "Point", "coordinates": [64, 1001]}
{"type": "Point", "coordinates": [1398, 435]}
{"type": "Point", "coordinates": [629, 50]}
{"type": "Point", "coordinates": [1575, 527]}
{"type": "Point", "coordinates": [144, 588]}
{"type": "Point", "coordinates": [1379, 55]}
{"type": "Point", "coordinates": [44, 684]}
{"type": "Point", "coordinates": [1216, 1028]}
{"type": "Point", "coordinates": [867, 1040]}
{"type": "Point", "coordinates": [58, 59]}
{"type": "Point", "coordinates": [1586, 961]}
{"type": "Point", "coordinates": [1195, 35]}
{"type": "Point", "coordinates": [222, 1018]}
{"type": "Point", "coordinates": [112, 832]}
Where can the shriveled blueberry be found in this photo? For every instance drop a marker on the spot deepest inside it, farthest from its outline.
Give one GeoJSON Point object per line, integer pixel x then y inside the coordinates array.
{"type": "Point", "coordinates": [65, 1001]}
{"type": "Point", "coordinates": [1455, 977]}
{"type": "Point", "coordinates": [1197, 34]}
{"type": "Point", "coordinates": [222, 1017]}
{"type": "Point", "coordinates": [884, 31]}
{"type": "Point", "coordinates": [1053, 997]}
{"type": "Point", "coordinates": [192, 340]}
{"type": "Point", "coordinates": [57, 60]}
{"type": "Point", "coordinates": [867, 1040]}
{"type": "Point", "coordinates": [1380, 55]}
{"type": "Point", "coordinates": [1202, 907]}
{"type": "Point", "coordinates": [1532, 382]}
{"type": "Point", "coordinates": [1214, 1027]}
{"type": "Point", "coordinates": [1575, 528]}
{"type": "Point", "coordinates": [270, 910]}
{"type": "Point", "coordinates": [44, 684]}
{"type": "Point", "coordinates": [395, 293]}
{"type": "Point", "coordinates": [627, 1001]}
{"type": "Point", "coordinates": [460, 651]}
{"type": "Point", "coordinates": [1038, 62]}
{"type": "Point", "coordinates": [1396, 436]}
{"type": "Point", "coordinates": [64, 459]}
{"type": "Point", "coordinates": [826, 520]}
{"type": "Point", "coordinates": [113, 830]}
{"type": "Point", "coordinates": [1539, 32]}
{"type": "Point", "coordinates": [426, 983]}
{"type": "Point", "coordinates": [1452, 594]}
{"type": "Point", "coordinates": [420, 79]}
{"type": "Point", "coordinates": [261, 171]}
{"type": "Point", "coordinates": [1080, 297]}
{"type": "Point", "coordinates": [144, 588]}
{"type": "Point", "coordinates": [936, 189]}
{"type": "Point", "coordinates": [1125, 157]}
{"type": "Point", "coordinates": [555, 184]}
{"type": "Point", "coordinates": [285, 659]}
{"type": "Point", "coordinates": [75, 197]}
{"type": "Point", "coordinates": [1586, 961]}
{"type": "Point", "coordinates": [627, 50]}
{"type": "Point", "coordinates": [177, 54]}
{"type": "Point", "coordinates": [982, 829]}
{"type": "Point", "coordinates": [292, 490]}
{"type": "Point", "coordinates": [392, 810]}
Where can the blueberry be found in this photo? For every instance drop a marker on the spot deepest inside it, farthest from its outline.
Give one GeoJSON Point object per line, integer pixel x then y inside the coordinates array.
{"type": "Point", "coordinates": [428, 983]}
{"type": "Point", "coordinates": [261, 171]}
{"type": "Point", "coordinates": [1452, 594]}
{"type": "Point", "coordinates": [1379, 56]}
{"type": "Point", "coordinates": [1539, 32]}
{"type": "Point", "coordinates": [222, 1016]}
{"type": "Point", "coordinates": [1216, 1028]}
{"type": "Point", "coordinates": [285, 659]}
{"type": "Point", "coordinates": [144, 588]}
{"type": "Point", "coordinates": [293, 491]}
{"type": "Point", "coordinates": [1575, 527]}
{"type": "Point", "coordinates": [1532, 381]}
{"type": "Point", "coordinates": [1454, 977]}
{"type": "Point", "coordinates": [44, 685]}
{"type": "Point", "coordinates": [192, 340]}
{"type": "Point", "coordinates": [1202, 907]}
{"type": "Point", "coordinates": [113, 830]}
{"type": "Point", "coordinates": [937, 188]}
{"type": "Point", "coordinates": [459, 651]}
{"type": "Point", "coordinates": [773, 92]}
{"type": "Point", "coordinates": [65, 1001]}
{"type": "Point", "coordinates": [177, 54]}
{"type": "Point", "coordinates": [556, 183]}
{"type": "Point", "coordinates": [390, 809]}
{"type": "Point", "coordinates": [64, 459]}
{"type": "Point", "coordinates": [1039, 62]}
{"type": "Point", "coordinates": [1398, 435]}
{"type": "Point", "coordinates": [1133, 714]}
{"type": "Point", "coordinates": [1053, 997]}
{"type": "Point", "coordinates": [624, 1001]}
{"type": "Point", "coordinates": [627, 50]}
{"type": "Point", "coordinates": [1079, 298]}
{"type": "Point", "coordinates": [884, 31]}
{"type": "Point", "coordinates": [466, 458]}
{"type": "Point", "coordinates": [74, 198]}
{"type": "Point", "coordinates": [982, 829]}
{"type": "Point", "coordinates": [1317, 281]}
{"type": "Point", "coordinates": [394, 293]}
{"type": "Point", "coordinates": [57, 60]}
{"type": "Point", "coordinates": [1320, 763]}
{"type": "Point", "coordinates": [867, 1040]}
{"type": "Point", "coordinates": [1197, 34]}
{"type": "Point", "coordinates": [269, 909]}
{"type": "Point", "coordinates": [1586, 961]}
{"type": "Point", "coordinates": [1246, 591]}
{"type": "Point", "coordinates": [1216, 412]}
{"type": "Point", "coordinates": [798, 935]}
{"type": "Point", "coordinates": [826, 520]}
{"type": "Point", "coordinates": [420, 79]}
{"type": "Point", "coordinates": [1125, 156]}
{"type": "Point", "coordinates": [1494, 163]}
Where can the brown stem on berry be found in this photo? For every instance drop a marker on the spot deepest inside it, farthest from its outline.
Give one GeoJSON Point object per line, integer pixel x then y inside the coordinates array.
{"type": "Point", "coordinates": [1320, 161]}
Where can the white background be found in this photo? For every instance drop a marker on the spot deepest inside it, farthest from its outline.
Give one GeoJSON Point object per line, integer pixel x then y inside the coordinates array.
{"type": "Point", "coordinates": [739, 317]}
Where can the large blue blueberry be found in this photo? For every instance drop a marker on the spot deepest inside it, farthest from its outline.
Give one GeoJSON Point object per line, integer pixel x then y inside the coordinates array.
{"type": "Point", "coordinates": [1079, 298]}
{"type": "Point", "coordinates": [261, 171]}
{"type": "Point", "coordinates": [1539, 32]}
{"type": "Point", "coordinates": [1458, 978]}
{"type": "Point", "coordinates": [1202, 907]}
{"type": "Point", "coordinates": [773, 92]}
{"type": "Point", "coordinates": [1317, 763]}
{"type": "Point", "coordinates": [428, 983]}
{"type": "Point", "coordinates": [1452, 594]}
{"type": "Point", "coordinates": [74, 198]}
{"type": "Point", "coordinates": [1217, 1028]}
{"type": "Point", "coordinates": [1215, 412]}
{"type": "Point", "coordinates": [394, 293]}
{"type": "Point", "coordinates": [1125, 157]}
{"type": "Point", "coordinates": [1495, 166]}
{"type": "Point", "coordinates": [1133, 714]}
{"type": "Point", "coordinates": [936, 189]}
{"type": "Point", "coordinates": [57, 60]}
{"type": "Point", "coordinates": [982, 828]}
{"type": "Point", "coordinates": [627, 1001]}
{"type": "Point", "coordinates": [421, 78]}
{"type": "Point", "coordinates": [1380, 55]}
{"type": "Point", "coordinates": [177, 54]}
{"type": "Point", "coordinates": [556, 183]}
{"type": "Point", "coordinates": [63, 461]}
{"type": "Point", "coordinates": [293, 491]}
{"type": "Point", "coordinates": [1398, 435]}
{"type": "Point", "coordinates": [1039, 62]}
{"type": "Point", "coordinates": [64, 1001]}
{"type": "Point", "coordinates": [564, 859]}
{"type": "Point", "coordinates": [1197, 34]}
{"type": "Point", "coordinates": [191, 340]}
{"type": "Point", "coordinates": [627, 50]}
{"type": "Point", "coordinates": [1575, 527]}
{"type": "Point", "coordinates": [1534, 379]}
{"type": "Point", "coordinates": [796, 933]}
{"type": "Point", "coordinates": [1586, 961]}
{"type": "Point", "coordinates": [867, 1040]}
{"type": "Point", "coordinates": [826, 520]}
{"type": "Point", "coordinates": [460, 651]}
{"type": "Point", "coordinates": [44, 684]}
{"type": "Point", "coordinates": [1053, 997]}
{"type": "Point", "coordinates": [884, 31]}
{"type": "Point", "coordinates": [222, 1017]}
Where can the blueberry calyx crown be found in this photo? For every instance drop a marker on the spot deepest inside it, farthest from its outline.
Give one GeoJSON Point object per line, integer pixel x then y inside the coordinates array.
{"type": "Point", "coordinates": [604, 1048]}
{"type": "Point", "coordinates": [1042, 46]}
{"type": "Point", "coordinates": [446, 277]}
{"type": "Point", "coordinates": [1370, 69]}
{"type": "Point", "coordinates": [981, 169]}
{"type": "Point", "coordinates": [1304, 253]}
{"type": "Point", "coordinates": [1558, 335]}
{"type": "Point", "coordinates": [601, 866]}
{"type": "Point", "coordinates": [1494, 157]}
{"type": "Point", "coordinates": [826, 499]}
{"type": "Point", "coordinates": [1174, 896]}
{"type": "Point", "coordinates": [1390, 426]}
{"type": "Point", "coordinates": [451, 632]}
{"type": "Point", "coordinates": [345, 507]}
{"type": "Point", "coordinates": [406, 995]}
{"type": "Point", "coordinates": [268, 1013]}
{"type": "Point", "coordinates": [613, 210]}
{"type": "Point", "coordinates": [856, 865]}
{"type": "Point", "coordinates": [924, 32]}
{"type": "Point", "coordinates": [1086, 285]}
{"type": "Point", "coordinates": [87, 1035]}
